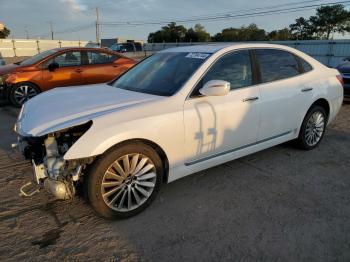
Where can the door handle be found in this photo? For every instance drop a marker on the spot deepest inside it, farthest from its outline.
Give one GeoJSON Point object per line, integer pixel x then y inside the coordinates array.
{"type": "Point", "coordinates": [306, 89]}
{"type": "Point", "coordinates": [79, 70]}
{"type": "Point", "coordinates": [115, 65]}
{"type": "Point", "coordinates": [250, 99]}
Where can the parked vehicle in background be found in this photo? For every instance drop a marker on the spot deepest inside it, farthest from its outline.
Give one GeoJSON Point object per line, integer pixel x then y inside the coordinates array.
{"type": "Point", "coordinates": [2, 63]}
{"type": "Point", "coordinates": [175, 113]}
{"type": "Point", "coordinates": [60, 67]}
{"type": "Point", "coordinates": [92, 45]}
{"type": "Point", "coordinates": [118, 48]}
{"type": "Point", "coordinates": [126, 47]}
{"type": "Point", "coordinates": [2, 60]}
{"type": "Point", "coordinates": [344, 69]}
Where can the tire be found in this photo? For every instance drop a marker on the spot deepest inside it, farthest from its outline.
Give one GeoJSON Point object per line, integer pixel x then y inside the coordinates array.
{"type": "Point", "coordinates": [21, 92]}
{"type": "Point", "coordinates": [311, 132]}
{"type": "Point", "coordinates": [99, 181]}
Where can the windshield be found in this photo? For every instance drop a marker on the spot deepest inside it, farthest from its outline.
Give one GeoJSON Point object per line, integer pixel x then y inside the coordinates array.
{"type": "Point", "coordinates": [161, 74]}
{"type": "Point", "coordinates": [38, 57]}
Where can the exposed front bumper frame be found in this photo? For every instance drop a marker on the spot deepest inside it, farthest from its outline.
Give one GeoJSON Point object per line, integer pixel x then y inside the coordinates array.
{"type": "Point", "coordinates": [39, 172]}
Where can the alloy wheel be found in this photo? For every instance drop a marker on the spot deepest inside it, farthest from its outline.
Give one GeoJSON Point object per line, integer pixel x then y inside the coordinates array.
{"type": "Point", "coordinates": [128, 182]}
{"type": "Point", "coordinates": [23, 93]}
{"type": "Point", "coordinates": [314, 128]}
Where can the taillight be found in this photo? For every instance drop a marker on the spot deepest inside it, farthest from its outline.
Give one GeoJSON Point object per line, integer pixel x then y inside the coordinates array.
{"type": "Point", "coordinates": [341, 80]}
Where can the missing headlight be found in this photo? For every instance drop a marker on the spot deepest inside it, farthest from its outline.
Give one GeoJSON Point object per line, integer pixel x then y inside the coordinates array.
{"type": "Point", "coordinates": [67, 137]}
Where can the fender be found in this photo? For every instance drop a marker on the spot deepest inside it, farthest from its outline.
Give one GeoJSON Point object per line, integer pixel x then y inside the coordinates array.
{"type": "Point", "coordinates": [160, 130]}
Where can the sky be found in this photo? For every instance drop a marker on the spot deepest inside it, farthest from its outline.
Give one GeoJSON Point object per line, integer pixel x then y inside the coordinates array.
{"type": "Point", "coordinates": [33, 17]}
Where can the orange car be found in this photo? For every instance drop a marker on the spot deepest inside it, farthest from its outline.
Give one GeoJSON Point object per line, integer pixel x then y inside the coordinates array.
{"type": "Point", "coordinates": [60, 67]}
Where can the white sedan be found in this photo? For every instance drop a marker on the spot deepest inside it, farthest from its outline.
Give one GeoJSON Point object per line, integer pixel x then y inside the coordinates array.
{"type": "Point", "coordinates": [175, 113]}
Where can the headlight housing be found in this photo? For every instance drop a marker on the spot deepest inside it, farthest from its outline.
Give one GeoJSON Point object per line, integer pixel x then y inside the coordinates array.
{"type": "Point", "coordinates": [3, 79]}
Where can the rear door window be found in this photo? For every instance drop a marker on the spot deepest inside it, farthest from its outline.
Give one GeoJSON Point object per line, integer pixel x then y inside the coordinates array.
{"type": "Point", "coordinates": [276, 64]}
{"type": "Point", "coordinates": [95, 57]}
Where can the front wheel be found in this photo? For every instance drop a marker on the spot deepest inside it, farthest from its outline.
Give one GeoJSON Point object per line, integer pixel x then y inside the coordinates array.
{"type": "Point", "coordinates": [124, 180]}
{"type": "Point", "coordinates": [22, 92]}
{"type": "Point", "coordinates": [313, 128]}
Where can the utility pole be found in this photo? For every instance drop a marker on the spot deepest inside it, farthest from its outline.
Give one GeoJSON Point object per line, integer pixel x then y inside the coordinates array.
{"type": "Point", "coordinates": [26, 31]}
{"type": "Point", "coordinates": [97, 25]}
{"type": "Point", "coordinates": [51, 30]}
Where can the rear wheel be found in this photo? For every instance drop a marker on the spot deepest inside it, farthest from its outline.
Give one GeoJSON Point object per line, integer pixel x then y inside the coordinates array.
{"type": "Point", "coordinates": [313, 128]}
{"type": "Point", "coordinates": [125, 180]}
{"type": "Point", "coordinates": [22, 92]}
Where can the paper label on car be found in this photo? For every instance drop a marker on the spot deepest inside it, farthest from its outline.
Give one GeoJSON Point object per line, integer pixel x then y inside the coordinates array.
{"type": "Point", "coordinates": [197, 55]}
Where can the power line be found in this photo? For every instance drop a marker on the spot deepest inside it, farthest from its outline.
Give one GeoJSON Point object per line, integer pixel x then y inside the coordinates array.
{"type": "Point", "coordinates": [224, 16]}
{"type": "Point", "coordinates": [243, 10]}
{"type": "Point", "coordinates": [237, 14]}
{"type": "Point", "coordinates": [75, 29]}
{"type": "Point", "coordinates": [69, 30]}
{"type": "Point", "coordinates": [139, 23]}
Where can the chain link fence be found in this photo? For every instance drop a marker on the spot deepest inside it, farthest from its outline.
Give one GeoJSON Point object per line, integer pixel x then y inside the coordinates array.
{"type": "Point", "coordinates": [328, 52]}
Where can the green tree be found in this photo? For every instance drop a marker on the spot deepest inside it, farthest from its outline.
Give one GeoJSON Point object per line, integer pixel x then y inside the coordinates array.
{"type": "Point", "coordinates": [280, 35]}
{"type": "Point", "coordinates": [202, 34]}
{"type": "Point", "coordinates": [248, 33]}
{"type": "Point", "coordinates": [169, 33]}
{"type": "Point", "coordinates": [327, 21]}
{"type": "Point", "coordinates": [330, 20]}
{"type": "Point", "coordinates": [302, 29]}
{"type": "Point", "coordinates": [4, 33]}
{"type": "Point", "coordinates": [226, 35]}
{"type": "Point", "coordinates": [197, 34]}
{"type": "Point", "coordinates": [251, 33]}
{"type": "Point", "coordinates": [191, 36]}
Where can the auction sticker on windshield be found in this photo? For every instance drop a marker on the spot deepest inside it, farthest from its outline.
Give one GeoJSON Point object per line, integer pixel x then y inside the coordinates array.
{"type": "Point", "coordinates": [197, 55]}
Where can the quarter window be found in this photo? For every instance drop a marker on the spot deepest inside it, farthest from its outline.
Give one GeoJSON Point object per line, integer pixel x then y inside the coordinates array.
{"type": "Point", "coordinates": [234, 68]}
{"type": "Point", "coordinates": [100, 58]}
{"type": "Point", "coordinates": [305, 65]}
{"type": "Point", "coordinates": [276, 64]}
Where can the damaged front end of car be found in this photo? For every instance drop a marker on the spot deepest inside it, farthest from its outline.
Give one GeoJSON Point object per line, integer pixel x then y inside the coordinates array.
{"type": "Point", "coordinates": [57, 175]}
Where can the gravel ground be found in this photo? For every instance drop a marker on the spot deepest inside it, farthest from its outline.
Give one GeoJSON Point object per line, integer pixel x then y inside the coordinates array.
{"type": "Point", "coordinates": [281, 204]}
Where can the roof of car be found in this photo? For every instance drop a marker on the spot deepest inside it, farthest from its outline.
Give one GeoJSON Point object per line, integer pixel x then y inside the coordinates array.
{"type": "Point", "coordinates": [60, 49]}
{"type": "Point", "coordinates": [213, 48]}
{"type": "Point", "coordinates": [77, 47]}
{"type": "Point", "coordinates": [209, 48]}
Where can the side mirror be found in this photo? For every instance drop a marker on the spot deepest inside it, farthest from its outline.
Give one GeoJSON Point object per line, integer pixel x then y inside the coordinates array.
{"type": "Point", "coordinates": [215, 88]}
{"type": "Point", "coordinates": [53, 66]}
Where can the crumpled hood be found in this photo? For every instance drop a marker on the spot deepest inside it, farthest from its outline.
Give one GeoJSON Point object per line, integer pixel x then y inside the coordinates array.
{"type": "Point", "coordinates": [65, 107]}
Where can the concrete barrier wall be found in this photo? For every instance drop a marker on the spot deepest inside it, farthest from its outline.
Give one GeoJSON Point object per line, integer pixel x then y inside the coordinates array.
{"type": "Point", "coordinates": [30, 47]}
